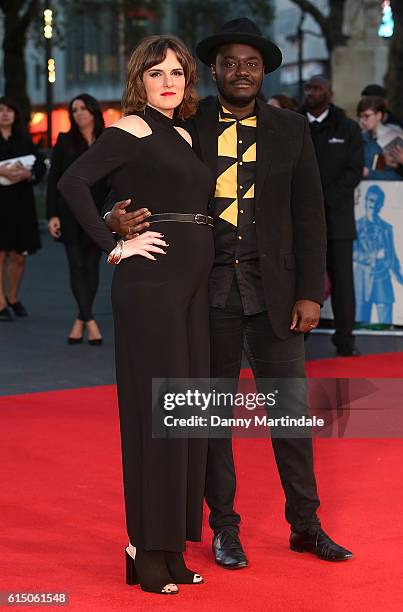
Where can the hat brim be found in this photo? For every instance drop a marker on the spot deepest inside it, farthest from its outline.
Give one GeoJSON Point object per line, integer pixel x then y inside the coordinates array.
{"type": "Point", "coordinates": [272, 56]}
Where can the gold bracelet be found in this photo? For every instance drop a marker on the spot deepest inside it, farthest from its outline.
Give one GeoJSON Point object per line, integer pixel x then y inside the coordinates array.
{"type": "Point", "coordinates": [115, 256]}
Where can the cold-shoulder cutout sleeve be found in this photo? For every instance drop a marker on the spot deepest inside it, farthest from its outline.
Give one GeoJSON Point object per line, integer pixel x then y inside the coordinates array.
{"type": "Point", "coordinates": [104, 157]}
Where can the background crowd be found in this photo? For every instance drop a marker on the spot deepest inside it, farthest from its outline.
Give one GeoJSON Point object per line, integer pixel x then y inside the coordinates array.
{"type": "Point", "coordinates": [367, 148]}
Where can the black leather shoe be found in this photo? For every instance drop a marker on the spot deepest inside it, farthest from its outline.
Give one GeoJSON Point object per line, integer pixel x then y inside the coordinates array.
{"type": "Point", "coordinates": [18, 309]}
{"type": "Point", "coordinates": [346, 348]}
{"type": "Point", "coordinates": [316, 541]}
{"type": "Point", "coordinates": [5, 315]}
{"type": "Point", "coordinates": [228, 551]}
{"type": "Point", "coordinates": [347, 352]}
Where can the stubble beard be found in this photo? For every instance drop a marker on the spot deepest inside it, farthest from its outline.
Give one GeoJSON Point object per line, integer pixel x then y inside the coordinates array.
{"type": "Point", "coordinates": [239, 101]}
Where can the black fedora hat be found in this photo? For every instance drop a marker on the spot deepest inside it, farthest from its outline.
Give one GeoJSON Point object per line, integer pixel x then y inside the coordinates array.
{"type": "Point", "coordinates": [242, 31]}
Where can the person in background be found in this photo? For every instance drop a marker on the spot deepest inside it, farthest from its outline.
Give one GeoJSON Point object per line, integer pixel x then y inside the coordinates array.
{"type": "Point", "coordinates": [371, 111]}
{"type": "Point", "coordinates": [340, 154]}
{"type": "Point", "coordinates": [283, 101]}
{"type": "Point", "coordinates": [19, 233]}
{"type": "Point", "coordinates": [380, 92]}
{"type": "Point", "coordinates": [83, 255]}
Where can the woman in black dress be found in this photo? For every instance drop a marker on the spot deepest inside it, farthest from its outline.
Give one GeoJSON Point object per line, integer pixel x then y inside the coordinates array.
{"type": "Point", "coordinates": [160, 300]}
{"type": "Point", "coordinates": [19, 233]}
{"type": "Point", "coordinates": [83, 255]}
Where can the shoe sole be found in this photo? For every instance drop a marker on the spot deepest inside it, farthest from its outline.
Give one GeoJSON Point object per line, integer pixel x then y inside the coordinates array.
{"type": "Point", "coordinates": [302, 550]}
{"type": "Point", "coordinates": [232, 567]}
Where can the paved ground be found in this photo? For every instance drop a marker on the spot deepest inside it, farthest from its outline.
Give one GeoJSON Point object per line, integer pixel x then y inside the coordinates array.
{"type": "Point", "coordinates": [36, 357]}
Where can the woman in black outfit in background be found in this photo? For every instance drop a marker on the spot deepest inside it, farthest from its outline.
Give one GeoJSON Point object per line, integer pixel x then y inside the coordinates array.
{"type": "Point", "coordinates": [160, 304]}
{"type": "Point", "coordinates": [19, 233]}
{"type": "Point", "coordinates": [83, 255]}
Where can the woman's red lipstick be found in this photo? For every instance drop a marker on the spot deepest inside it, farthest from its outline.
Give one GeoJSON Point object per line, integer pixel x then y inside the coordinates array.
{"type": "Point", "coordinates": [168, 93]}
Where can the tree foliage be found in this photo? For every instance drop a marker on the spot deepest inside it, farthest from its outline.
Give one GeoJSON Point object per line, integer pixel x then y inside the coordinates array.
{"type": "Point", "coordinates": [24, 18]}
{"type": "Point", "coordinates": [332, 29]}
{"type": "Point", "coordinates": [331, 24]}
{"type": "Point", "coordinates": [18, 15]}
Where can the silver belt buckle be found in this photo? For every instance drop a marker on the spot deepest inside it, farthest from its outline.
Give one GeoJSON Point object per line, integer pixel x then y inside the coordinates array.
{"type": "Point", "coordinates": [201, 219]}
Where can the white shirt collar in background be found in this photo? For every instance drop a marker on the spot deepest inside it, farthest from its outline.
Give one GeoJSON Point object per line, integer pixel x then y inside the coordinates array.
{"type": "Point", "coordinates": [319, 119]}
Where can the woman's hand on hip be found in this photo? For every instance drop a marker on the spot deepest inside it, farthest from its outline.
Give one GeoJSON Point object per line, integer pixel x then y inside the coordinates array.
{"type": "Point", "coordinates": [145, 245]}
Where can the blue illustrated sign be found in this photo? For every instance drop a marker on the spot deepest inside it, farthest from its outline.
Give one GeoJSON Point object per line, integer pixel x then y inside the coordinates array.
{"type": "Point", "coordinates": [378, 254]}
{"type": "Point", "coordinates": [375, 260]}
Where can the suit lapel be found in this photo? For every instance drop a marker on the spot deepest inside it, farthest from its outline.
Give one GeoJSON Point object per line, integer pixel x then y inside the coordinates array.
{"type": "Point", "coordinates": [206, 122]}
{"type": "Point", "coordinates": [267, 143]}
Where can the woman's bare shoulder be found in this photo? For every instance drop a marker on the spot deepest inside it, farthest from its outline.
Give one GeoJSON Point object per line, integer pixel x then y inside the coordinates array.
{"type": "Point", "coordinates": [133, 124]}
{"type": "Point", "coordinates": [185, 134]}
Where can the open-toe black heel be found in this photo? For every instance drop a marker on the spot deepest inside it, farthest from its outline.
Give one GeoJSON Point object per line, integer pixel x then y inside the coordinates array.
{"type": "Point", "coordinates": [131, 574]}
{"type": "Point", "coordinates": [149, 570]}
{"type": "Point", "coordinates": [178, 570]}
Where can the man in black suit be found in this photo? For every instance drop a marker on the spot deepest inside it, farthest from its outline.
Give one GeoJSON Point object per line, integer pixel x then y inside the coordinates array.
{"type": "Point", "coordinates": [340, 153]}
{"type": "Point", "coordinates": [267, 280]}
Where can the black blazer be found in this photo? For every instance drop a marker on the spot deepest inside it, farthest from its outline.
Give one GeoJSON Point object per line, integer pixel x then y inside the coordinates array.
{"type": "Point", "coordinates": [340, 153]}
{"type": "Point", "coordinates": [290, 219]}
{"type": "Point", "coordinates": [63, 156]}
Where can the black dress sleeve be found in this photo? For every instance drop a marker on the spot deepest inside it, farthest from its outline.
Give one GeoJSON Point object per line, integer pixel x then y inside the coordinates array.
{"type": "Point", "coordinates": [101, 160]}
{"type": "Point", "coordinates": [55, 173]}
{"type": "Point", "coordinates": [39, 168]}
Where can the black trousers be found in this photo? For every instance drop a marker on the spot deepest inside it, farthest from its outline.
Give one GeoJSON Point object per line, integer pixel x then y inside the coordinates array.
{"type": "Point", "coordinates": [83, 259]}
{"type": "Point", "coordinates": [339, 261]}
{"type": "Point", "coordinates": [269, 357]}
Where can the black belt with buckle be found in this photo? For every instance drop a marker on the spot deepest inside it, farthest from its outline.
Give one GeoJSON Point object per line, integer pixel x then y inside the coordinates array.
{"type": "Point", "coordinates": [198, 218]}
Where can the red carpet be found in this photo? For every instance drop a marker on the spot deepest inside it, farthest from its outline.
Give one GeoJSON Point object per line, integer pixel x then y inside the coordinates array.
{"type": "Point", "coordinates": [63, 518]}
{"type": "Point", "coordinates": [383, 365]}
